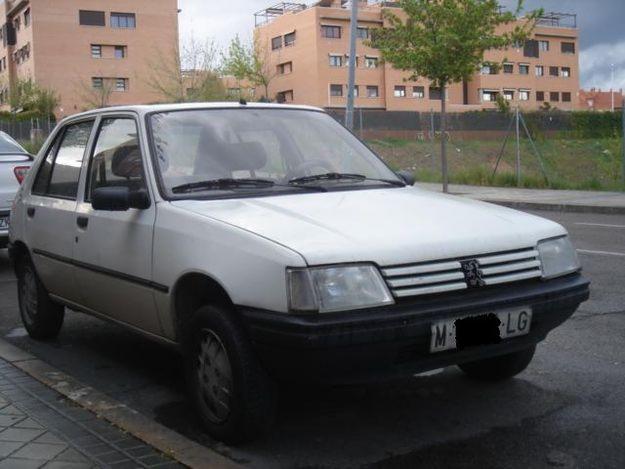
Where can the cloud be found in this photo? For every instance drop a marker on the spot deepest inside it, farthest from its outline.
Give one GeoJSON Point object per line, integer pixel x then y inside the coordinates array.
{"type": "Point", "coordinates": [595, 65]}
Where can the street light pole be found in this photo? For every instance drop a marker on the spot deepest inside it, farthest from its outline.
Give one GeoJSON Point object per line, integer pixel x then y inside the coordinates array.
{"type": "Point", "coordinates": [612, 87]}
{"type": "Point", "coordinates": [349, 111]}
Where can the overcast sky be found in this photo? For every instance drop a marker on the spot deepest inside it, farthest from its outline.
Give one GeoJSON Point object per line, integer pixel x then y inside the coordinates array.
{"type": "Point", "coordinates": [601, 23]}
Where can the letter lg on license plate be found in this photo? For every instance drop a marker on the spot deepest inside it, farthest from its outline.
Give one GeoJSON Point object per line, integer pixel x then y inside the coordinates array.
{"type": "Point", "coordinates": [481, 329]}
{"type": "Point", "coordinates": [4, 223]}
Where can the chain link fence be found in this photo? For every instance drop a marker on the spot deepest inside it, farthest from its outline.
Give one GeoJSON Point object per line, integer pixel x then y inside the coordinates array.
{"type": "Point", "coordinates": [555, 149]}
{"type": "Point", "coordinates": [30, 133]}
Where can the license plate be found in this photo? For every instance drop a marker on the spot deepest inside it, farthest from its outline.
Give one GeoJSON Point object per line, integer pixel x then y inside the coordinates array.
{"type": "Point", "coordinates": [481, 329]}
{"type": "Point", "coordinates": [4, 223]}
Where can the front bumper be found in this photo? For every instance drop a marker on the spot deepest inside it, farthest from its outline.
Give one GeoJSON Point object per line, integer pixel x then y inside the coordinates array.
{"type": "Point", "coordinates": [392, 341]}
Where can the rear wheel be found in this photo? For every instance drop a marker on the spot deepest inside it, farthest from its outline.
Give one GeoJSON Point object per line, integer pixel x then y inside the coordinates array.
{"type": "Point", "coordinates": [41, 317]}
{"type": "Point", "coordinates": [234, 396]}
{"type": "Point", "coordinates": [501, 367]}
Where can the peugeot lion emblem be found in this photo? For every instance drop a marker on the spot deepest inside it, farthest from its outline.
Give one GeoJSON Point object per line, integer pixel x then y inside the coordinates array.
{"type": "Point", "coordinates": [472, 273]}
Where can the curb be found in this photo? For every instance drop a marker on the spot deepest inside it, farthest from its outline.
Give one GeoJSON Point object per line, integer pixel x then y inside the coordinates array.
{"type": "Point", "coordinates": [556, 207]}
{"type": "Point", "coordinates": [180, 448]}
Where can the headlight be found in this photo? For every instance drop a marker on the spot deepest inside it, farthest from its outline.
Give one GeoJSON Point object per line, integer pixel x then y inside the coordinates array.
{"type": "Point", "coordinates": [558, 257]}
{"type": "Point", "coordinates": [336, 288]}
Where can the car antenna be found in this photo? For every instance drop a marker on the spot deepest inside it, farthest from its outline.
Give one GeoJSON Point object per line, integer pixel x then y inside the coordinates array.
{"type": "Point", "coordinates": [242, 102]}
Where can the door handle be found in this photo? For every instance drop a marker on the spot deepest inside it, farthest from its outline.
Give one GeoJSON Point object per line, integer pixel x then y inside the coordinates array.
{"type": "Point", "coordinates": [82, 222]}
{"type": "Point", "coordinates": [30, 211]}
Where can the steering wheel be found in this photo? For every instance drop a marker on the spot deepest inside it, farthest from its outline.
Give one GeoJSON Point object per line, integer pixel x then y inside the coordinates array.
{"type": "Point", "coordinates": [305, 167]}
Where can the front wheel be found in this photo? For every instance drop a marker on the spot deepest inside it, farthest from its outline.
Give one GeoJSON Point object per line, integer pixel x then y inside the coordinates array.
{"type": "Point", "coordinates": [41, 317]}
{"type": "Point", "coordinates": [501, 367]}
{"type": "Point", "coordinates": [234, 396]}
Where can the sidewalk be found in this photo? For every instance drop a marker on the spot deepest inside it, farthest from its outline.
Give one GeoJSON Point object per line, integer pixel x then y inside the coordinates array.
{"type": "Point", "coordinates": [40, 428]}
{"type": "Point", "coordinates": [540, 199]}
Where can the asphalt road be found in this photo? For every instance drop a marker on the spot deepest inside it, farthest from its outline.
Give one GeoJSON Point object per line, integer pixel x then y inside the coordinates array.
{"type": "Point", "coordinates": [566, 410]}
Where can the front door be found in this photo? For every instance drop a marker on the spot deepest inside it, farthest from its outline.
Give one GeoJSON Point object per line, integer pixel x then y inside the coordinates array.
{"type": "Point", "coordinates": [113, 252]}
{"type": "Point", "coordinates": [51, 207]}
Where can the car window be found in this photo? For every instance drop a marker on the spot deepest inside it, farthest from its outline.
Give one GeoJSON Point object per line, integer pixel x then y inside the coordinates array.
{"type": "Point", "coordinates": [8, 145]}
{"type": "Point", "coordinates": [116, 159]}
{"type": "Point", "coordinates": [60, 172]}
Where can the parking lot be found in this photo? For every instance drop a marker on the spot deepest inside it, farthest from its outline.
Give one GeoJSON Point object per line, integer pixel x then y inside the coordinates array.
{"type": "Point", "coordinates": [566, 410]}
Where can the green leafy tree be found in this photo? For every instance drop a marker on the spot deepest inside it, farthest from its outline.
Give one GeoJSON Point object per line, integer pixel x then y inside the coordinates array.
{"type": "Point", "coordinates": [249, 62]}
{"type": "Point", "coordinates": [445, 40]}
{"type": "Point", "coordinates": [28, 96]}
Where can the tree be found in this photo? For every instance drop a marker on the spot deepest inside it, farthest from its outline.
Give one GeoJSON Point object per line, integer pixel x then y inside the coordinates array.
{"type": "Point", "coordinates": [187, 74]}
{"type": "Point", "coordinates": [26, 95]}
{"type": "Point", "coordinates": [97, 94]}
{"type": "Point", "coordinates": [445, 40]}
{"type": "Point", "coordinates": [249, 62]}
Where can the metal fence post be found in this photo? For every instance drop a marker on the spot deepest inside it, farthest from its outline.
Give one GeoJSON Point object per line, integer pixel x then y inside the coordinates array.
{"type": "Point", "coordinates": [623, 142]}
{"type": "Point", "coordinates": [518, 149]}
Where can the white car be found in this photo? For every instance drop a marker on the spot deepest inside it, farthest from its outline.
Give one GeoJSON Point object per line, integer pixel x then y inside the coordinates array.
{"type": "Point", "coordinates": [14, 164]}
{"type": "Point", "coordinates": [269, 244]}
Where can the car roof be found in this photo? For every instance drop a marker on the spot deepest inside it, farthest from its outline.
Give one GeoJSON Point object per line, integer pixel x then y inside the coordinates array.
{"type": "Point", "coordinates": [149, 108]}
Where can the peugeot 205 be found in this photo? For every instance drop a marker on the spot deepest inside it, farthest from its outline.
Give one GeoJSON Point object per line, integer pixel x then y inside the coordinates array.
{"type": "Point", "coordinates": [269, 244]}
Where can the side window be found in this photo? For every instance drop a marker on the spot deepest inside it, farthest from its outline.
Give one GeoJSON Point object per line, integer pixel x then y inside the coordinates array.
{"type": "Point", "coordinates": [60, 172]}
{"type": "Point", "coordinates": [116, 159]}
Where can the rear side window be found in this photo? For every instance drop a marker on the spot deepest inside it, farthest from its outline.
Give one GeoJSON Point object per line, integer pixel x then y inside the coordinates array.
{"type": "Point", "coordinates": [60, 172]}
{"type": "Point", "coordinates": [116, 159]}
{"type": "Point", "coordinates": [8, 145]}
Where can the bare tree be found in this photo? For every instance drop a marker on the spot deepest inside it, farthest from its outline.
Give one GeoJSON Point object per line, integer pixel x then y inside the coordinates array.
{"type": "Point", "coordinates": [96, 93]}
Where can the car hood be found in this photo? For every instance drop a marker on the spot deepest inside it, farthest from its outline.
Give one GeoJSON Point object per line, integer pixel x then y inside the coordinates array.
{"type": "Point", "coordinates": [386, 226]}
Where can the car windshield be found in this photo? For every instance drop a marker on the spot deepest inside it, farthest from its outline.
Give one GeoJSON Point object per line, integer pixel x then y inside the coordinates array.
{"type": "Point", "coordinates": [8, 146]}
{"type": "Point", "coordinates": [229, 152]}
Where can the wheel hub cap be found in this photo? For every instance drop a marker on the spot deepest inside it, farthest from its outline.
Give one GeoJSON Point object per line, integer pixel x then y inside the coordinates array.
{"type": "Point", "coordinates": [214, 377]}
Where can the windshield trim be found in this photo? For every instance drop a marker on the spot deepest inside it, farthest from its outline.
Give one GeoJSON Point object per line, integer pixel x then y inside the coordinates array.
{"type": "Point", "coordinates": [162, 190]}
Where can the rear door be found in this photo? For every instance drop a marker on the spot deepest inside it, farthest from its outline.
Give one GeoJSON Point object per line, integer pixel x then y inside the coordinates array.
{"type": "Point", "coordinates": [113, 253]}
{"type": "Point", "coordinates": [51, 209]}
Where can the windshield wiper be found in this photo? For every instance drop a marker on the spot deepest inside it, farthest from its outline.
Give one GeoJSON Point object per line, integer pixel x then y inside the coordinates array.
{"type": "Point", "coordinates": [342, 176]}
{"type": "Point", "coordinates": [232, 183]}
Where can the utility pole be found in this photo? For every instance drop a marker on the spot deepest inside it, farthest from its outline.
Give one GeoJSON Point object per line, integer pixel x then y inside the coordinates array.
{"type": "Point", "coordinates": [518, 149]}
{"type": "Point", "coordinates": [351, 82]}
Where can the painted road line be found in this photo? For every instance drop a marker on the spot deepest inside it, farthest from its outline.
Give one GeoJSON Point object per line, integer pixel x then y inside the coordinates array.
{"type": "Point", "coordinates": [601, 253]}
{"type": "Point", "coordinates": [604, 225]}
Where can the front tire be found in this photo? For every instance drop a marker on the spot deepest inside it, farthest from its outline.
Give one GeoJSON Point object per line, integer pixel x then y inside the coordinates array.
{"type": "Point", "coordinates": [41, 317]}
{"type": "Point", "coordinates": [501, 367]}
{"type": "Point", "coordinates": [234, 396]}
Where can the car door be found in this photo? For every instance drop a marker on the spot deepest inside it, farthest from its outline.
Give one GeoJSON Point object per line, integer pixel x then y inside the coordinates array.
{"type": "Point", "coordinates": [51, 209]}
{"type": "Point", "coordinates": [113, 251]}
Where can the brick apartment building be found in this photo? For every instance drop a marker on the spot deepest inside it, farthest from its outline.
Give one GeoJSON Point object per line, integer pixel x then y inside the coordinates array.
{"type": "Point", "coordinates": [598, 100]}
{"type": "Point", "coordinates": [85, 49]}
{"type": "Point", "coordinates": [309, 48]}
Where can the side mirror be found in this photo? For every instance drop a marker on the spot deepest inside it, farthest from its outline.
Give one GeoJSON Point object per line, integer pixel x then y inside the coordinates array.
{"type": "Point", "coordinates": [407, 177]}
{"type": "Point", "coordinates": [119, 199]}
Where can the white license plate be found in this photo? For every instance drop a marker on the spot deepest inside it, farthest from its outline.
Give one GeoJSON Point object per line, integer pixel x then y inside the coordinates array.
{"type": "Point", "coordinates": [512, 323]}
{"type": "Point", "coordinates": [4, 223]}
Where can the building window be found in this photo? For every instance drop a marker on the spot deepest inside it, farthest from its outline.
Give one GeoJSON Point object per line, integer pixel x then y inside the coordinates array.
{"type": "Point", "coordinates": [566, 97]}
{"type": "Point", "coordinates": [97, 83]}
{"type": "Point", "coordinates": [96, 51]}
{"type": "Point", "coordinates": [489, 96]}
{"type": "Point", "coordinates": [355, 90]}
{"type": "Point", "coordinates": [371, 62]}
{"type": "Point", "coordinates": [336, 61]}
{"type": "Point", "coordinates": [332, 32]}
{"type": "Point", "coordinates": [285, 96]}
{"type": "Point", "coordinates": [530, 48]}
{"type": "Point", "coordinates": [123, 20]}
{"type": "Point", "coordinates": [91, 18]}
{"type": "Point", "coordinates": [120, 52]}
{"type": "Point", "coordinates": [289, 39]}
{"type": "Point", "coordinates": [121, 84]}
{"type": "Point", "coordinates": [524, 69]}
{"type": "Point", "coordinates": [435, 93]}
{"type": "Point", "coordinates": [554, 72]}
{"type": "Point", "coordinates": [554, 96]}
{"type": "Point", "coordinates": [363, 33]}
{"type": "Point", "coordinates": [487, 69]}
{"type": "Point", "coordinates": [27, 18]}
{"type": "Point", "coordinates": [543, 46]}
{"type": "Point", "coordinates": [540, 96]}
{"type": "Point", "coordinates": [347, 60]}
{"type": "Point", "coordinates": [286, 67]}
{"type": "Point", "coordinates": [568, 47]}
{"type": "Point", "coordinates": [399, 92]}
{"type": "Point", "coordinates": [276, 43]}
{"type": "Point", "coordinates": [540, 70]}
{"type": "Point", "coordinates": [418, 92]}
{"type": "Point", "coordinates": [508, 95]}
{"type": "Point", "coordinates": [16, 23]}
{"type": "Point", "coordinates": [524, 95]}
{"type": "Point", "coordinates": [565, 72]}
{"type": "Point", "coordinates": [336, 90]}
{"type": "Point", "coordinates": [508, 68]}
{"type": "Point", "coordinates": [373, 92]}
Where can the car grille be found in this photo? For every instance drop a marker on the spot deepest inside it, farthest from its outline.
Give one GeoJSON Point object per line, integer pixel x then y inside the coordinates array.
{"type": "Point", "coordinates": [444, 276]}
